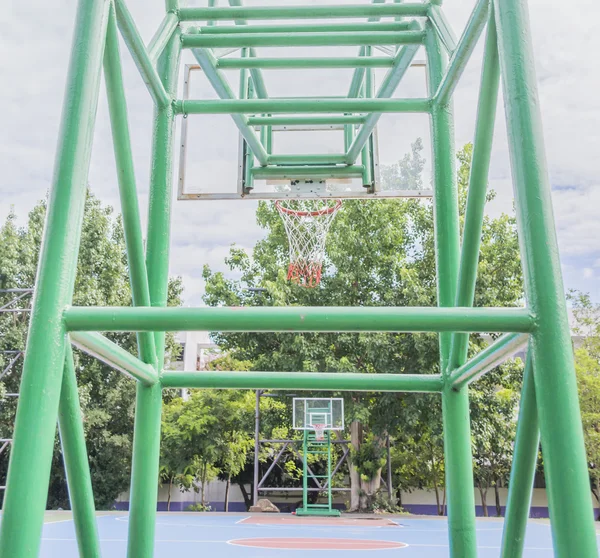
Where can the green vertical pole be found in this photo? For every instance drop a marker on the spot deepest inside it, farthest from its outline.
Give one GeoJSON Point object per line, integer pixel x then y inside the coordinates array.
{"type": "Point", "coordinates": [329, 502]}
{"type": "Point", "coordinates": [520, 486]}
{"type": "Point", "coordinates": [366, 150]}
{"type": "Point", "coordinates": [146, 441]}
{"type": "Point", "coordinates": [565, 462]}
{"type": "Point", "coordinates": [35, 426]}
{"type": "Point", "coordinates": [72, 437]}
{"type": "Point", "coordinates": [117, 107]}
{"type": "Point", "coordinates": [305, 471]}
{"type": "Point", "coordinates": [455, 404]}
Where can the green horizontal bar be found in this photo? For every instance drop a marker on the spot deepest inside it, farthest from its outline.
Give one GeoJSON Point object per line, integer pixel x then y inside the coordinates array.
{"type": "Point", "coordinates": [317, 381]}
{"type": "Point", "coordinates": [486, 360]}
{"type": "Point", "coordinates": [300, 106]}
{"type": "Point", "coordinates": [307, 12]}
{"type": "Point", "coordinates": [304, 120]}
{"type": "Point", "coordinates": [110, 353]}
{"type": "Point", "coordinates": [301, 39]}
{"type": "Point", "coordinates": [289, 63]}
{"type": "Point", "coordinates": [395, 26]}
{"type": "Point", "coordinates": [314, 159]}
{"type": "Point", "coordinates": [298, 318]}
{"type": "Point", "coordinates": [298, 172]}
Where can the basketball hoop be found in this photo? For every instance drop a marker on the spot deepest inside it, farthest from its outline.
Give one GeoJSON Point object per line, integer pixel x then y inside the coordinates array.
{"type": "Point", "coordinates": [306, 224]}
{"type": "Point", "coordinates": [319, 431]}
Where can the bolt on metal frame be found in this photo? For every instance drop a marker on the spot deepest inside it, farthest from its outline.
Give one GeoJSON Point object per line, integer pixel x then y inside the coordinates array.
{"type": "Point", "coordinates": [549, 404]}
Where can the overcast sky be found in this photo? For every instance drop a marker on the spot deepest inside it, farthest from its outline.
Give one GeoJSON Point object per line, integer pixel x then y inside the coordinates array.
{"type": "Point", "coordinates": [35, 40]}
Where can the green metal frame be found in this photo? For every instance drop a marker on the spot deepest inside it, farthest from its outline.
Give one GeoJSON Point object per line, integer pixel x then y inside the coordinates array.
{"type": "Point", "coordinates": [549, 405]}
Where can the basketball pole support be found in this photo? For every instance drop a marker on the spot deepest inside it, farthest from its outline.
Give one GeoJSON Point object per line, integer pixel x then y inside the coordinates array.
{"type": "Point", "coordinates": [549, 405]}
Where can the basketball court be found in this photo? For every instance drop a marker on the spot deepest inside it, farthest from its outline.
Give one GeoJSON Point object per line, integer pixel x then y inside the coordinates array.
{"type": "Point", "coordinates": [251, 536]}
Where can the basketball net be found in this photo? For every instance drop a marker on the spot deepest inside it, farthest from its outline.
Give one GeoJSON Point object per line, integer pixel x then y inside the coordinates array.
{"type": "Point", "coordinates": [306, 224]}
{"type": "Point", "coordinates": [319, 431]}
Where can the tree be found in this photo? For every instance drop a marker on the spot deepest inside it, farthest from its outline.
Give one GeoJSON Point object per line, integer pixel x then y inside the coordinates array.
{"type": "Point", "coordinates": [587, 367]}
{"type": "Point", "coordinates": [379, 253]}
{"type": "Point", "coordinates": [107, 397]}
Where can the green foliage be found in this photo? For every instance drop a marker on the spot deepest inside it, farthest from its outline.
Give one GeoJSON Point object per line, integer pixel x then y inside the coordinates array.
{"type": "Point", "coordinates": [107, 397]}
{"type": "Point", "coordinates": [198, 508]}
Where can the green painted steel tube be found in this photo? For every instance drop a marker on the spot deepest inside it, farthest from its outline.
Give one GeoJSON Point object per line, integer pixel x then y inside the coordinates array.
{"type": "Point", "coordinates": [305, 120]}
{"type": "Point", "coordinates": [487, 359]}
{"type": "Point", "coordinates": [117, 107]}
{"type": "Point", "coordinates": [146, 438]}
{"type": "Point", "coordinates": [300, 63]}
{"type": "Point", "coordinates": [77, 467]}
{"type": "Point", "coordinates": [394, 27]}
{"type": "Point", "coordinates": [306, 12]}
{"type": "Point", "coordinates": [325, 381]}
{"type": "Point", "coordinates": [442, 28]}
{"type": "Point", "coordinates": [161, 37]}
{"type": "Point", "coordinates": [300, 106]}
{"type": "Point", "coordinates": [190, 40]}
{"type": "Point", "coordinates": [565, 462]}
{"type": "Point", "coordinates": [387, 88]}
{"type": "Point", "coordinates": [522, 474]}
{"type": "Point", "coordinates": [37, 412]}
{"type": "Point", "coordinates": [308, 159]}
{"type": "Point", "coordinates": [463, 52]}
{"type": "Point", "coordinates": [298, 318]}
{"type": "Point", "coordinates": [96, 345]}
{"type": "Point", "coordinates": [140, 56]}
{"type": "Point", "coordinates": [369, 89]}
{"type": "Point", "coordinates": [298, 172]}
{"type": "Point", "coordinates": [208, 64]}
{"type": "Point", "coordinates": [478, 181]}
{"type": "Point", "coordinates": [455, 404]}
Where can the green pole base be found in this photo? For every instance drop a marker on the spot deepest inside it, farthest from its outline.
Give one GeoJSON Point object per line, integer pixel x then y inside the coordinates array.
{"type": "Point", "coordinates": [318, 511]}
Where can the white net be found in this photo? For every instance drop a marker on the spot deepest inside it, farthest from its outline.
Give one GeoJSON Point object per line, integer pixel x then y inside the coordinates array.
{"type": "Point", "coordinates": [319, 431]}
{"type": "Point", "coordinates": [306, 224]}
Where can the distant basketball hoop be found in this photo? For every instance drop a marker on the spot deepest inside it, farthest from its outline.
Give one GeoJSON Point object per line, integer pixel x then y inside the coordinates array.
{"type": "Point", "coordinates": [307, 223]}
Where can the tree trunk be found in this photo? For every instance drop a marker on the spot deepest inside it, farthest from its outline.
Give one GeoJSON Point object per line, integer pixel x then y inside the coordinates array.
{"type": "Point", "coordinates": [169, 494]}
{"type": "Point", "coordinates": [483, 494]}
{"type": "Point", "coordinates": [368, 489]}
{"type": "Point", "coordinates": [246, 494]}
{"type": "Point", "coordinates": [437, 497]}
{"type": "Point", "coordinates": [355, 439]}
{"type": "Point", "coordinates": [498, 506]}
{"type": "Point", "coordinates": [227, 486]}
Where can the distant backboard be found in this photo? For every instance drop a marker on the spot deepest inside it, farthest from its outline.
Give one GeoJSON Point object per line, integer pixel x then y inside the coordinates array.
{"type": "Point", "coordinates": [311, 411]}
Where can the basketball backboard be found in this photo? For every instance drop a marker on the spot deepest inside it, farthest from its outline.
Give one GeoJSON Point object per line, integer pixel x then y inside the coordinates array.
{"type": "Point", "coordinates": [309, 411]}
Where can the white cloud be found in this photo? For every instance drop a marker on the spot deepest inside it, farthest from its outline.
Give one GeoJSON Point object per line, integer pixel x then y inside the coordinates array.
{"type": "Point", "coordinates": [33, 73]}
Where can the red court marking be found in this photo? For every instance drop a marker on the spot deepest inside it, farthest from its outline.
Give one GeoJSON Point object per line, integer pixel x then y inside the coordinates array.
{"type": "Point", "coordinates": [324, 521]}
{"type": "Point", "coordinates": [318, 544]}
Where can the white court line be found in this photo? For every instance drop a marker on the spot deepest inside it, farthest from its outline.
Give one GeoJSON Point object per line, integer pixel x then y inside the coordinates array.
{"type": "Point", "coordinates": [242, 520]}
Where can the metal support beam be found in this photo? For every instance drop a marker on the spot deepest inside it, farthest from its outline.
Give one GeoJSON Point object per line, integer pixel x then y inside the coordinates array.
{"type": "Point", "coordinates": [478, 182]}
{"type": "Point", "coordinates": [300, 106]}
{"type": "Point", "coordinates": [208, 64]}
{"type": "Point", "coordinates": [161, 37]}
{"type": "Point", "coordinates": [304, 63]}
{"type": "Point", "coordinates": [140, 55]}
{"type": "Point", "coordinates": [77, 467]}
{"type": "Point", "coordinates": [37, 412]}
{"type": "Point", "coordinates": [386, 90]}
{"type": "Point", "coordinates": [442, 27]}
{"type": "Point", "coordinates": [305, 120]}
{"type": "Point", "coordinates": [565, 463]}
{"type": "Point", "coordinates": [522, 473]}
{"type": "Point", "coordinates": [463, 52]}
{"type": "Point", "coordinates": [110, 353]}
{"type": "Point", "coordinates": [455, 404]}
{"type": "Point", "coordinates": [314, 381]}
{"type": "Point", "coordinates": [256, 447]}
{"type": "Point", "coordinates": [148, 407]}
{"type": "Point", "coordinates": [306, 12]}
{"type": "Point", "coordinates": [297, 318]}
{"type": "Point", "coordinates": [413, 37]}
{"type": "Point", "coordinates": [272, 466]}
{"type": "Point", "coordinates": [369, 27]}
{"type": "Point", "coordinates": [486, 360]}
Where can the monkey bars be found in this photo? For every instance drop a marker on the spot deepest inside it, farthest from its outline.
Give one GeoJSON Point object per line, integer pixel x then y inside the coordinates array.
{"type": "Point", "coordinates": [549, 406]}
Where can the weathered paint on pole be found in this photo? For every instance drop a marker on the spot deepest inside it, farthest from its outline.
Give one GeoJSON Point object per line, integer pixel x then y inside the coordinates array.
{"type": "Point", "coordinates": [565, 463]}
{"type": "Point", "coordinates": [455, 403]}
{"type": "Point", "coordinates": [37, 412]}
{"type": "Point", "coordinates": [77, 467]}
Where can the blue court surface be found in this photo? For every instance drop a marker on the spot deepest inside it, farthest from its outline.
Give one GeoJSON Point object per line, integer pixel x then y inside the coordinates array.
{"type": "Point", "coordinates": [184, 535]}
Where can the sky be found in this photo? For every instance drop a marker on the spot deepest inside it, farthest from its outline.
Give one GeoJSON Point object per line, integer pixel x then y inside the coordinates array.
{"type": "Point", "coordinates": [33, 68]}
